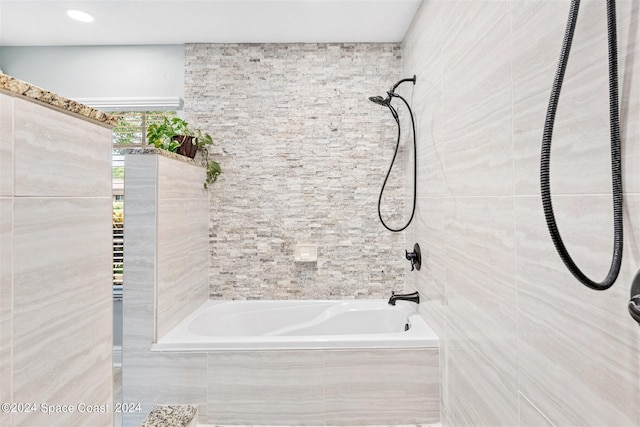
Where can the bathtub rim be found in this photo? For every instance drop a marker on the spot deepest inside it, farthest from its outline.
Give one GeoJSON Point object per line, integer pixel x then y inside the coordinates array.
{"type": "Point", "coordinates": [419, 336]}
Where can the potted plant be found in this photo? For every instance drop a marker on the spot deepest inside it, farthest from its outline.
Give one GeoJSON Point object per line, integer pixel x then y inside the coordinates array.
{"type": "Point", "coordinates": [177, 136]}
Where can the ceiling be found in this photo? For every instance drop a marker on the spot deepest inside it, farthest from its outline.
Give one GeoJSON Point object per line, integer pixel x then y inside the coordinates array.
{"type": "Point", "coordinates": [131, 22]}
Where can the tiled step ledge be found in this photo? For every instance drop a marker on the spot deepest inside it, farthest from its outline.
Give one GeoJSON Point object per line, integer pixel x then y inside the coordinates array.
{"type": "Point", "coordinates": [172, 416]}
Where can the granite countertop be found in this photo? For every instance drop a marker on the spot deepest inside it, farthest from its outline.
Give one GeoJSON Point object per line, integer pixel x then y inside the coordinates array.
{"type": "Point", "coordinates": [17, 87]}
{"type": "Point", "coordinates": [170, 416]}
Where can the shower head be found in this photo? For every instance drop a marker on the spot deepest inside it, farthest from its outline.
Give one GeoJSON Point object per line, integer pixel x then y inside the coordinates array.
{"type": "Point", "coordinates": [380, 100]}
{"type": "Point", "coordinates": [386, 102]}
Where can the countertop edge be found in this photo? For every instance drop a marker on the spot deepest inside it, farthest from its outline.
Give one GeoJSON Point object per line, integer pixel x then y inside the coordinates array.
{"type": "Point", "coordinates": [15, 87]}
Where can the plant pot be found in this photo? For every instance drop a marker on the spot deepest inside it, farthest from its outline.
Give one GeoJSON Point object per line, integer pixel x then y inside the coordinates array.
{"type": "Point", "coordinates": [187, 146]}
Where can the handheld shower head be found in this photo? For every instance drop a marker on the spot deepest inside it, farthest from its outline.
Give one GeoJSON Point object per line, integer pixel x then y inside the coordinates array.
{"type": "Point", "coordinates": [380, 100]}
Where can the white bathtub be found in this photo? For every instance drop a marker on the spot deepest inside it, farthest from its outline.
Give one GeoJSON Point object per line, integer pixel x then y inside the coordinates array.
{"type": "Point", "coordinates": [291, 324]}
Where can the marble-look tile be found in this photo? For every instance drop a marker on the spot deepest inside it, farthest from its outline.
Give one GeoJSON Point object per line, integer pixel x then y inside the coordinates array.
{"type": "Point", "coordinates": [422, 45]}
{"type": "Point", "coordinates": [382, 386]}
{"type": "Point", "coordinates": [163, 379]}
{"type": "Point", "coordinates": [139, 253]}
{"type": "Point", "coordinates": [479, 394]}
{"type": "Point", "coordinates": [183, 263]}
{"type": "Point", "coordinates": [177, 180]}
{"type": "Point", "coordinates": [476, 99]}
{"type": "Point", "coordinates": [284, 387]}
{"type": "Point", "coordinates": [432, 313]}
{"type": "Point", "coordinates": [578, 348]}
{"type": "Point", "coordinates": [6, 297]}
{"type": "Point", "coordinates": [581, 142]}
{"type": "Point", "coordinates": [62, 304]}
{"type": "Point", "coordinates": [6, 145]}
{"type": "Point", "coordinates": [77, 153]}
{"type": "Point", "coordinates": [530, 416]}
{"type": "Point", "coordinates": [480, 275]}
{"type": "Point", "coordinates": [432, 228]}
{"type": "Point", "coordinates": [423, 59]}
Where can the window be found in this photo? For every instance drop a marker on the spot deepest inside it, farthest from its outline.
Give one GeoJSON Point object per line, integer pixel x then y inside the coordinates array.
{"type": "Point", "coordinates": [131, 129]}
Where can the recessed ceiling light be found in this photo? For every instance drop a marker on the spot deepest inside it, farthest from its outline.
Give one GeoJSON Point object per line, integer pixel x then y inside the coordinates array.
{"type": "Point", "coordinates": [79, 15]}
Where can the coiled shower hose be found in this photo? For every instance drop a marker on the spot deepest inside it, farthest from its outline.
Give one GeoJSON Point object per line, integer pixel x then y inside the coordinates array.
{"type": "Point", "coordinates": [616, 167]}
{"type": "Point", "coordinates": [395, 153]}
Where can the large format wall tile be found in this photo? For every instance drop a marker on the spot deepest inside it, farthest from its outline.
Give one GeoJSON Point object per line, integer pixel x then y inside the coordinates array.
{"type": "Point", "coordinates": [578, 348]}
{"type": "Point", "coordinates": [180, 180]}
{"type": "Point", "coordinates": [479, 393]}
{"type": "Point", "coordinates": [140, 253]}
{"type": "Point", "coordinates": [62, 274]}
{"type": "Point", "coordinates": [6, 297]}
{"type": "Point", "coordinates": [270, 388]}
{"type": "Point", "coordinates": [581, 139]}
{"type": "Point", "coordinates": [480, 289]}
{"type": "Point", "coordinates": [183, 260]}
{"type": "Point", "coordinates": [476, 99]}
{"type": "Point", "coordinates": [369, 387]}
{"type": "Point", "coordinates": [512, 320]}
{"type": "Point", "coordinates": [6, 145]}
{"type": "Point", "coordinates": [530, 416]}
{"type": "Point", "coordinates": [432, 228]}
{"type": "Point", "coordinates": [76, 152]}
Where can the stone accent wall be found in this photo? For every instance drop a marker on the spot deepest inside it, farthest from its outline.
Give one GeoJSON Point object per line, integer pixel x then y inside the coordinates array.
{"type": "Point", "coordinates": [304, 154]}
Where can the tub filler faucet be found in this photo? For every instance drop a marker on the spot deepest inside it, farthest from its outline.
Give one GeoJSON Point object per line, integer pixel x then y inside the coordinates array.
{"type": "Point", "coordinates": [412, 297]}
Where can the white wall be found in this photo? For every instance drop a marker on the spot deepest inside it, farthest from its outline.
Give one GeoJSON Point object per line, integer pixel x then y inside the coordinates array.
{"type": "Point", "coordinates": [99, 71]}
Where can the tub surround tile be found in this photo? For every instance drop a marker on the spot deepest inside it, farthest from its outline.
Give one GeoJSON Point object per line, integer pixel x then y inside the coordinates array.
{"type": "Point", "coordinates": [557, 335]}
{"type": "Point", "coordinates": [581, 149]}
{"type": "Point", "coordinates": [479, 393]}
{"type": "Point", "coordinates": [530, 416]}
{"type": "Point", "coordinates": [57, 142]}
{"type": "Point", "coordinates": [510, 354]}
{"type": "Point", "coordinates": [12, 86]}
{"type": "Point", "coordinates": [6, 145]}
{"type": "Point", "coordinates": [476, 102]}
{"type": "Point", "coordinates": [362, 388]}
{"type": "Point", "coordinates": [433, 219]}
{"type": "Point", "coordinates": [275, 388]}
{"type": "Point", "coordinates": [481, 291]}
{"type": "Point", "coordinates": [182, 263]}
{"type": "Point", "coordinates": [422, 57]}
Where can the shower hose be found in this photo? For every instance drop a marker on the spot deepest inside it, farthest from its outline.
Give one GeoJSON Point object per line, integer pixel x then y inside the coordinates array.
{"type": "Point", "coordinates": [395, 153]}
{"type": "Point", "coordinates": [616, 168]}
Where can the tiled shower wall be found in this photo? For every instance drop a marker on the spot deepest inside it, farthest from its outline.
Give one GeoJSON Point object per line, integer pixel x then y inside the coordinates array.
{"type": "Point", "coordinates": [304, 154]}
{"type": "Point", "coordinates": [523, 343]}
{"type": "Point", "coordinates": [55, 256]}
